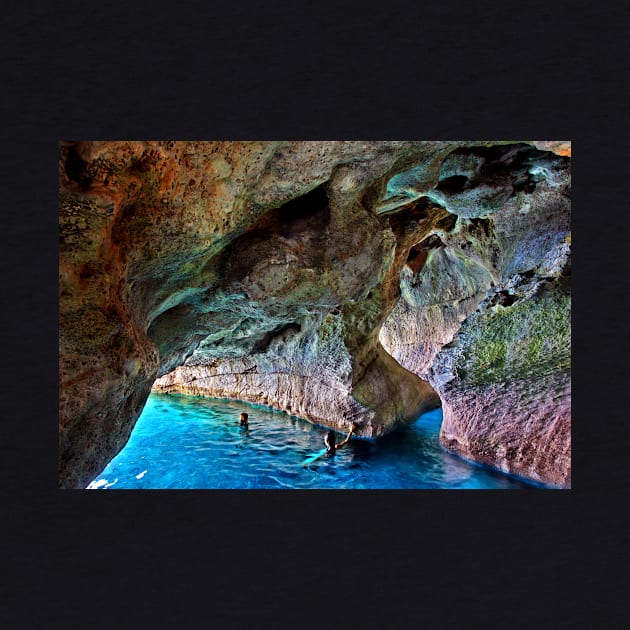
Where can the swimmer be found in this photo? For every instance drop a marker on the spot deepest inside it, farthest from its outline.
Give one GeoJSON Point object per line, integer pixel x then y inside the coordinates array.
{"type": "Point", "coordinates": [244, 420]}
{"type": "Point", "coordinates": [329, 440]}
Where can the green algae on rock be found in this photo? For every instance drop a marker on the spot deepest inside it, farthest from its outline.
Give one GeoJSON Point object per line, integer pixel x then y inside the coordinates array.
{"type": "Point", "coordinates": [524, 339]}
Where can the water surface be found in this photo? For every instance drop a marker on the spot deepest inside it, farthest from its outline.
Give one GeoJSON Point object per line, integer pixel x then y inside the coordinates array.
{"type": "Point", "coordinates": [186, 442]}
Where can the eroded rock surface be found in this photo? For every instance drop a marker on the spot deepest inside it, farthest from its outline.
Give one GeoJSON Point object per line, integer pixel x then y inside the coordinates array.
{"type": "Point", "coordinates": [265, 271]}
{"type": "Point", "coordinates": [486, 320]}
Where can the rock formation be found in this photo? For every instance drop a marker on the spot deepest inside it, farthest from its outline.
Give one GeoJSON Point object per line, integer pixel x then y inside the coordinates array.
{"type": "Point", "coordinates": [339, 281]}
{"type": "Point", "coordinates": [486, 319]}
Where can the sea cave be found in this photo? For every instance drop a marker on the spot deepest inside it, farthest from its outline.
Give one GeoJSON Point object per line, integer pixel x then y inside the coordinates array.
{"type": "Point", "coordinates": [345, 283]}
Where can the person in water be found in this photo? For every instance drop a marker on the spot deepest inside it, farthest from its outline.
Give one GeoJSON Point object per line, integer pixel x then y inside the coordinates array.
{"type": "Point", "coordinates": [244, 422]}
{"type": "Point", "coordinates": [329, 440]}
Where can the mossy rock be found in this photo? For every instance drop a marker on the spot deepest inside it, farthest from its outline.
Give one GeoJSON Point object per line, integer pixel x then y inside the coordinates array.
{"type": "Point", "coordinates": [529, 338]}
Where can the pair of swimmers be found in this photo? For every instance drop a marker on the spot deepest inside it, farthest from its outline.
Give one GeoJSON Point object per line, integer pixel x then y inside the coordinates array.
{"type": "Point", "coordinates": [329, 438]}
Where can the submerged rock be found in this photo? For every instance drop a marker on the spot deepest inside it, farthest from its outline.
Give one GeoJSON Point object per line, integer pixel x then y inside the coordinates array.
{"type": "Point", "coordinates": [321, 278]}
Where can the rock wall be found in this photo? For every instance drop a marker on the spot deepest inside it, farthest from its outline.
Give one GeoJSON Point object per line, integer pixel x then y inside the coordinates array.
{"type": "Point", "coordinates": [266, 270]}
{"type": "Point", "coordinates": [487, 320]}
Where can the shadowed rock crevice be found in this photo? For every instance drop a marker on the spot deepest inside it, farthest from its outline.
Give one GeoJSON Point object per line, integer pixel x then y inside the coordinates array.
{"type": "Point", "coordinates": [75, 168]}
{"type": "Point", "coordinates": [281, 331]}
{"type": "Point", "coordinates": [452, 184]}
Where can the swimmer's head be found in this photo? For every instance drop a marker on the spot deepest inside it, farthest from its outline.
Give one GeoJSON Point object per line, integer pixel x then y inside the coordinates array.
{"type": "Point", "coordinates": [329, 440]}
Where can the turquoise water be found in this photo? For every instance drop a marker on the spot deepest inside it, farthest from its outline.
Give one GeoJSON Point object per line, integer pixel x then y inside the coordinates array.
{"type": "Point", "coordinates": [185, 442]}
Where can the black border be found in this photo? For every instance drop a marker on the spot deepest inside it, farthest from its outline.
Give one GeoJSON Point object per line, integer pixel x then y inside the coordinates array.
{"type": "Point", "coordinates": [397, 70]}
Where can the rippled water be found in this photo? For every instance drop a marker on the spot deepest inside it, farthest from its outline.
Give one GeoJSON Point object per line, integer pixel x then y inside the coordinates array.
{"type": "Point", "coordinates": [190, 443]}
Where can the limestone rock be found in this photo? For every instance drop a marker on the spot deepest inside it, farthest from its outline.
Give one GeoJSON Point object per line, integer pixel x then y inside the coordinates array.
{"type": "Point", "coordinates": [487, 321]}
{"type": "Point", "coordinates": [265, 271]}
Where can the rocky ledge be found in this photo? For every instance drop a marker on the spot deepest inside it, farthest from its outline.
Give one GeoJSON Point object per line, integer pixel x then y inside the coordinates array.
{"type": "Point", "coordinates": [339, 281]}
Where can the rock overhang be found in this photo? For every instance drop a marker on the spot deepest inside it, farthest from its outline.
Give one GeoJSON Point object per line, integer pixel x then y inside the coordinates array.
{"type": "Point", "coordinates": [250, 259]}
